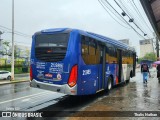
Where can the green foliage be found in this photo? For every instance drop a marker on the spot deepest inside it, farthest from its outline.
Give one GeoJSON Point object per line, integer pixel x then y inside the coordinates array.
{"type": "Point", "coordinates": [17, 63]}
{"type": "Point", "coordinates": [148, 56]}
{"type": "Point", "coordinates": [5, 48]}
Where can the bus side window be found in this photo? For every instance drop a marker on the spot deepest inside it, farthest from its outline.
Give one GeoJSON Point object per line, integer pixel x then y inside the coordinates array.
{"type": "Point", "coordinates": [99, 55]}
{"type": "Point", "coordinates": [85, 45]}
{"type": "Point", "coordinates": [125, 57]}
{"type": "Point", "coordinates": [92, 51]}
{"type": "Point", "coordinates": [107, 54]}
{"type": "Point", "coordinates": [118, 55]}
{"type": "Point", "coordinates": [89, 50]}
{"type": "Point", "coordinates": [111, 55]}
{"type": "Point", "coordinates": [115, 56]}
{"type": "Point", "coordinates": [92, 47]}
{"type": "Point", "coordinates": [131, 58]}
{"type": "Point", "coordinates": [85, 48]}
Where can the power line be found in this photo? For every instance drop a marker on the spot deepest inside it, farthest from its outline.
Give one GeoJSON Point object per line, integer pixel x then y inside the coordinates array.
{"type": "Point", "coordinates": [124, 19]}
{"type": "Point", "coordinates": [128, 11]}
{"type": "Point", "coordinates": [110, 13]}
{"type": "Point", "coordinates": [16, 32]}
{"type": "Point", "coordinates": [131, 18]}
{"type": "Point", "coordinates": [17, 42]}
{"type": "Point", "coordinates": [113, 12]}
{"type": "Point", "coordinates": [137, 10]}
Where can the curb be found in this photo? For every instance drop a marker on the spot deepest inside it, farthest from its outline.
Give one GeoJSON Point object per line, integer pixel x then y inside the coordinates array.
{"type": "Point", "coordinates": [14, 81]}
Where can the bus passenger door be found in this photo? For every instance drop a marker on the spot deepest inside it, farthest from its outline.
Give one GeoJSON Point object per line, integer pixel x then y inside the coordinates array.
{"type": "Point", "coordinates": [134, 64]}
{"type": "Point", "coordinates": [119, 56]}
{"type": "Point", "coordinates": [101, 67]}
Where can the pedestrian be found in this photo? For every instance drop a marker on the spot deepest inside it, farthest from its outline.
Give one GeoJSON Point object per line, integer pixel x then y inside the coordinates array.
{"type": "Point", "coordinates": [158, 72]}
{"type": "Point", "coordinates": [145, 71]}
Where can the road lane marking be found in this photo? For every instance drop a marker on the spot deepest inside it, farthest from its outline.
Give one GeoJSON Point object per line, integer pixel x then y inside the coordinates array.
{"type": "Point", "coordinates": [21, 97]}
{"type": "Point", "coordinates": [25, 100]}
{"type": "Point", "coordinates": [33, 98]}
{"type": "Point", "coordinates": [38, 100]}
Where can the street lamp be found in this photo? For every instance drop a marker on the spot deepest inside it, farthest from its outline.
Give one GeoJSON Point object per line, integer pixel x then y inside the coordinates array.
{"type": "Point", "coordinates": [12, 67]}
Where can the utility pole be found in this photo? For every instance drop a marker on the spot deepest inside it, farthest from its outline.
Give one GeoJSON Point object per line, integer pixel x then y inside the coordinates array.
{"type": "Point", "coordinates": [0, 38]}
{"type": "Point", "coordinates": [12, 67]}
{"type": "Point", "coordinates": [157, 47]}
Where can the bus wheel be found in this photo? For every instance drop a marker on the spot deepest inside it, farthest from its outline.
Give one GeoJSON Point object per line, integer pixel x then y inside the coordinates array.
{"type": "Point", "coordinates": [109, 84]}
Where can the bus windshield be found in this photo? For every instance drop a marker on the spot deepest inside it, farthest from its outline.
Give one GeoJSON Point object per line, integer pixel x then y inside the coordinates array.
{"type": "Point", "coordinates": [52, 40]}
{"type": "Point", "coordinates": [51, 47]}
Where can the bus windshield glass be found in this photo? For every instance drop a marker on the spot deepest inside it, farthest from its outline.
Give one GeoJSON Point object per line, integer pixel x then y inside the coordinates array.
{"type": "Point", "coordinates": [52, 40]}
{"type": "Point", "coordinates": [51, 47]}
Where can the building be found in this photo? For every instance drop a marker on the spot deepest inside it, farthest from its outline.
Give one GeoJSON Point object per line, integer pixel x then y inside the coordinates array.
{"type": "Point", "coordinates": [126, 41]}
{"type": "Point", "coordinates": [146, 46]}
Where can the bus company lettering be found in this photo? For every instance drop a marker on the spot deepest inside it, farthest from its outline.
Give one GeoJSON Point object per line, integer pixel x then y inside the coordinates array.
{"type": "Point", "coordinates": [56, 68]}
{"type": "Point", "coordinates": [87, 72]}
{"type": "Point", "coordinates": [57, 65]}
{"type": "Point", "coordinates": [40, 65]}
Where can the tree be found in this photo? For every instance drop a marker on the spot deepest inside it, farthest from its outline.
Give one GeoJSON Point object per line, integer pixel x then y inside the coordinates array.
{"type": "Point", "coordinates": [6, 47]}
{"type": "Point", "coordinates": [16, 52]}
{"type": "Point", "coordinates": [150, 56]}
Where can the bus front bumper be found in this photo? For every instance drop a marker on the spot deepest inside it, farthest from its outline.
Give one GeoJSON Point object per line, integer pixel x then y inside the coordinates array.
{"type": "Point", "coordinates": [53, 87]}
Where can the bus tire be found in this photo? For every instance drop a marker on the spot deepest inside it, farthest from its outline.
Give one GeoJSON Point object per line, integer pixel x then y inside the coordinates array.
{"type": "Point", "coordinates": [109, 84]}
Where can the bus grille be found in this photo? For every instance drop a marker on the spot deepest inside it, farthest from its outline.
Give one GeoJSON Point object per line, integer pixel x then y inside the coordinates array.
{"type": "Point", "coordinates": [55, 56]}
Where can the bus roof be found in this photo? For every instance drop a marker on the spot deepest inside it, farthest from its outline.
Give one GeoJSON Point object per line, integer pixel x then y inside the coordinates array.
{"type": "Point", "coordinates": [101, 38]}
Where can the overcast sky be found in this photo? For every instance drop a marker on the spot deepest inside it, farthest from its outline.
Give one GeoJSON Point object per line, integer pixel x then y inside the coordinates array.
{"type": "Point", "coordinates": [89, 15]}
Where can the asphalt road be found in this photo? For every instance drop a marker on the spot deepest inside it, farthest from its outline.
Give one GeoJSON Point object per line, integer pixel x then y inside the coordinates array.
{"type": "Point", "coordinates": [21, 97]}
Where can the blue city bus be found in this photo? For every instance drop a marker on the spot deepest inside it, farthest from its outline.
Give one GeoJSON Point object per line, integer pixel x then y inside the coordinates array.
{"type": "Point", "coordinates": [76, 62]}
